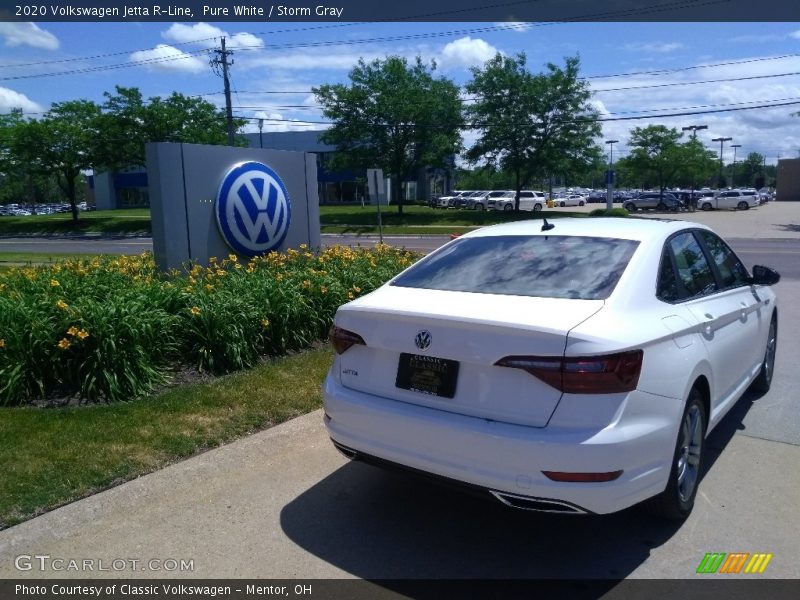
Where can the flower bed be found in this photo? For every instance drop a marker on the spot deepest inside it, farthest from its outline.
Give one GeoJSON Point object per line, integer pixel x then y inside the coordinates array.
{"type": "Point", "coordinates": [109, 328]}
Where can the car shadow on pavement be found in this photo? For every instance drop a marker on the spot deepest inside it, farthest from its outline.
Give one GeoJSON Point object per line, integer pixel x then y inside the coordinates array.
{"type": "Point", "coordinates": [378, 524]}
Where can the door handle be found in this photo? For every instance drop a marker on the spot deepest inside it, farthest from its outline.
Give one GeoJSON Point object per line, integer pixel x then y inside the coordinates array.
{"type": "Point", "coordinates": [707, 326]}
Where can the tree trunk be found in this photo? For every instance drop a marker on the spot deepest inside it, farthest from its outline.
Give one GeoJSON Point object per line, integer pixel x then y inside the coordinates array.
{"type": "Point", "coordinates": [398, 189]}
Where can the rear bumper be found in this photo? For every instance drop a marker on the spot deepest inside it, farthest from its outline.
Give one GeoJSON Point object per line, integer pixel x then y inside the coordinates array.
{"type": "Point", "coordinates": [507, 458]}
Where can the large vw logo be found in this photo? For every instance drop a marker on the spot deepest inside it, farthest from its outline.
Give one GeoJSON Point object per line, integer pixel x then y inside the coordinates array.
{"type": "Point", "coordinates": [423, 339]}
{"type": "Point", "coordinates": [253, 209]}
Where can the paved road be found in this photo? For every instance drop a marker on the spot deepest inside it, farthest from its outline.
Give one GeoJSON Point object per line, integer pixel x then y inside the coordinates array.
{"type": "Point", "coordinates": [283, 504]}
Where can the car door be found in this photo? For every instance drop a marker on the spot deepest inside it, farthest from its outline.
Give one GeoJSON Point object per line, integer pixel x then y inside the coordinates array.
{"type": "Point", "coordinates": [728, 200]}
{"type": "Point", "coordinates": [717, 310]}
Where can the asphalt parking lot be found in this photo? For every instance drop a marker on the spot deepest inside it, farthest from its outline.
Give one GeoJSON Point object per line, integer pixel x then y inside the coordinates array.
{"type": "Point", "coordinates": [284, 504]}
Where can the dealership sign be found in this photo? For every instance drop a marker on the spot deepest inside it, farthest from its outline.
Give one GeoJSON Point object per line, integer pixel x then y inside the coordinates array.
{"type": "Point", "coordinates": [253, 209]}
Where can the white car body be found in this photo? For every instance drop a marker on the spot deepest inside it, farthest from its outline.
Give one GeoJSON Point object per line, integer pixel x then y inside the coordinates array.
{"type": "Point", "coordinates": [528, 200]}
{"type": "Point", "coordinates": [571, 200]}
{"type": "Point", "coordinates": [731, 199]}
{"type": "Point", "coordinates": [507, 431]}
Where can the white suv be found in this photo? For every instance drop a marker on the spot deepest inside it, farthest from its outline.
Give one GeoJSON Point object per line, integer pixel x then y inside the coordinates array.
{"type": "Point", "coordinates": [528, 200]}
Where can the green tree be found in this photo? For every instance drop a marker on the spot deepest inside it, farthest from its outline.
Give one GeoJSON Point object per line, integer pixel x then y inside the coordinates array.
{"type": "Point", "coordinates": [393, 115]}
{"type": "Point", "coordinates": [696, 165]}
{"type": "Point", "coordinates": [12, 172]}
{"type": "Point", "coordinates": [655, 156]}
{"type": "Point", "coordinates": [128, 123]}
{"type": "Point", "coordinates": [61, 144]}
{"type": "Point", "coordinates": [532, 124]}
{"type": "Point", "coordinates": [749, 172]}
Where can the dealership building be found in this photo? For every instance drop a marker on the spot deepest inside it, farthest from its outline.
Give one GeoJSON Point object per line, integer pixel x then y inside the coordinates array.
{"type": "Point", "coordinates": [129, 188]}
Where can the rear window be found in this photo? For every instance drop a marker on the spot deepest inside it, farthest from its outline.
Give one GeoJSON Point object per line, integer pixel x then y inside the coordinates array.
{"type": "Point", "coordinates": [586, 268]}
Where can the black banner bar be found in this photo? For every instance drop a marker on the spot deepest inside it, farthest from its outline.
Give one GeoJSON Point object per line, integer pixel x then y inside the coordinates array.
{"type": "Point", "coordinates": [333, 11]}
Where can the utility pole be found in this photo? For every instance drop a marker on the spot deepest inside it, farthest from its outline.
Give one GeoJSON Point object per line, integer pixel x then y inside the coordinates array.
{"type": "Point", "coordinates": [693, 128]}
{"type": "Point", "coordinates": [221, 60]}
{"type": "Point", "coordinates": [733, 173]}
{"type": "Point", "coordinates": [721, 141]}
{"type": "Point", "coordinates": [261, 133]}
{"type": "Point", "coordinates": [610, 176]}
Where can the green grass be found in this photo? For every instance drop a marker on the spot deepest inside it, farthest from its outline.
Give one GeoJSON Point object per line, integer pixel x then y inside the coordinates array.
{"type": "Point", "coordinates": [50, 457]}
{"type": "Point", "coordinates": [420, 219]}
{"type": "Point", "coordinates": [109, 222]}
{"type": "Point", "coordinates": [416, 220]}
{"type": "Point", "coordinates": [40, 258]}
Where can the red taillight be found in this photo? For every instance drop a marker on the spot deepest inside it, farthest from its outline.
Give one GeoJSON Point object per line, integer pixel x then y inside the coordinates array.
{"type": "Point", "coordinates": [583, 375]}
{"type": "Point", "coordinates": [582, 477]}
{"type": "Point", "coordinates": [342, 339]}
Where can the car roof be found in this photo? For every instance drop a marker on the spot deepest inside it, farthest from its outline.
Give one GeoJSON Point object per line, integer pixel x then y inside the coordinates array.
{"type": "Point", "coordinates": [630, 228]}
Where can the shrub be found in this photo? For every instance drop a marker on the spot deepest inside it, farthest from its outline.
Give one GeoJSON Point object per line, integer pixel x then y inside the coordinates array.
{"type": "Point", "coordinates": [109, 328]}
{"type": "Point", "coordinates": [604, 212]}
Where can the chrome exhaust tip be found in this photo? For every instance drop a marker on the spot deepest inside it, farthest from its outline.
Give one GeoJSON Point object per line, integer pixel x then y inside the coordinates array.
{"type": "Point", "coordinates": [347, 452]}
{"type": "Point", "coordinates": [537, 504]}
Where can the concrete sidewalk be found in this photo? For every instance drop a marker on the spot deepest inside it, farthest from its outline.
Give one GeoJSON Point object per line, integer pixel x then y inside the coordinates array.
{"type": "Point", "coordinates": [284, 504]}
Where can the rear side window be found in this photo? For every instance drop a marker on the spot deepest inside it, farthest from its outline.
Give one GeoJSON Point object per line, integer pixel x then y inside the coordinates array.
{"type": "Point", "coordinates": [550, 266]}
{"type": "Point", "coordinates": [731, 270]}
{"type": "Point", "coordinates": [693, 268]}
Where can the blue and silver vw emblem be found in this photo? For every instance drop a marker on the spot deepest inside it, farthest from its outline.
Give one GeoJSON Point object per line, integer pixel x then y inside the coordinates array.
{"type": "Point", "coordinates": [423, 339]}
{"type": "Point", "coordinates": [253, 209]}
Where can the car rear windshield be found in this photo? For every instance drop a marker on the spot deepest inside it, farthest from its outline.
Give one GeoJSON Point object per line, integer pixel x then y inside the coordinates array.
{"type": "Point", "coordinates": [552, 266]}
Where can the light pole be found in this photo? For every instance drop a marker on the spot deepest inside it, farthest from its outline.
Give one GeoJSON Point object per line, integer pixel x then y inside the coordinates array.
{"type": "Point", "coordinates": [693, 129]}
{"type": "Point", "coordinates": [733, 173]}
{"type": "Point", "coordinates": [261, 133]}
{"type": "Point", "coordinates": [610, 175]}
{"type": "Point", "coordinates": [721, 141]}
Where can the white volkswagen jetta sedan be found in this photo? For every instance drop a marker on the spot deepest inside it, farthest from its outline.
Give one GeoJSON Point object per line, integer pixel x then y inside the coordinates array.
{"type": "Point", "coordinates": [570, 367]}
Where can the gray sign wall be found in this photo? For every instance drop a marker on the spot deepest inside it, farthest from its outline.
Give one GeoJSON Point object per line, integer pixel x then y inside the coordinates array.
{"type": "Point", "coordinates": [185, 180]}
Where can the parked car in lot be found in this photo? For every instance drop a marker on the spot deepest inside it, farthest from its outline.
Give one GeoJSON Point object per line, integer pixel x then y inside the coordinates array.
{"type": "Point", "coordinates": [450, 199]}
{"type": "Point", "coordinates": [583, 376]}
{"type": "Point", "coordinates": [481, 201]}
{"type": "Point", "coordinates": [653, 200]}
{"type": "Point", "coordinates": [528, 200]}
{"type": "Point", "coordinates": [730, 199]}
{"type": "Point", "coordinates": [571, 200]}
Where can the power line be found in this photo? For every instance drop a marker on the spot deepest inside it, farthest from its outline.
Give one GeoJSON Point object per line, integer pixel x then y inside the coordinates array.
{"type": "Point", "coordinates": [678, 83]}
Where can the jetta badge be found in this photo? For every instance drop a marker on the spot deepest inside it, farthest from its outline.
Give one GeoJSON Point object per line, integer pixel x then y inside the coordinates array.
{"type": "Point", "coordinates": [423, 339]}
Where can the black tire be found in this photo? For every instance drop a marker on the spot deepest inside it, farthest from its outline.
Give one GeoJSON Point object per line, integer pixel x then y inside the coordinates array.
{"type": "Point", "coordinates": [562, 204]}
{"type": "Point", "coordinates": [677, 500]}
{"type": "Point", "coordinates": [630, 207]}
{"type": "Point", "coordinates": [763, 380]}
{"type": "Point", "coordinates": [661, 206]}
{"type": "Point", "coordinates": [478, 206]}
{"type": "Point", "coordinates": [537, 207]}
{"type": "Point", "coordinates": [581, 203]}
{"type": "Point", "coordinates": [508, 207]}
{"type": "Point", "coordinates": [706, 206]}
{"type": "Point", "coordinates": [743, 205]}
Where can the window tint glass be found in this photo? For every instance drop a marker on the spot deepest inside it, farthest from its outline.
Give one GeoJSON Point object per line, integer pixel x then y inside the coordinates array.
{"type": "Point", "coordinates": [545, 266]}
{"type": "Point", "coordinates": [667, 285]}
{"type": "Point", "coordinates": [693, 268]}
{"type": "Point", "coordinates": [731, 270]}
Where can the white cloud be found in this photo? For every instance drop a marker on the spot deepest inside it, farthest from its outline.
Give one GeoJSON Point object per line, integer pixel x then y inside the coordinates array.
{"type": "Point", "coordinates": [656, 48]}
{"type": "Point", "coordinates": [276, 121]}
{"type": "Point", "coordinates": [168, 58]}
{"type": "Point", "coordinates": [795, 34]}
{"type": "Point", "coordinates": [10, 100]}
{"type": "Point", "coordinates": [329, 59]}
{"type": "Point", "coordinates": [207, 36]}
{"type": "Point", "coordinates": [466, 52]}
{"type": "Point", "coordinates": [28, 34]}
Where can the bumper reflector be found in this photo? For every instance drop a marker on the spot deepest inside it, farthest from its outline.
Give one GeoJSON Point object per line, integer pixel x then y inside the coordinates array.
{"type": "Point", "coordinates": [582, 477]}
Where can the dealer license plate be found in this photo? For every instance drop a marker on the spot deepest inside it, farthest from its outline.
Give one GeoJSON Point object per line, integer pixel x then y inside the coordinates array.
{"type": "Point", "coordinates": [427, 375]}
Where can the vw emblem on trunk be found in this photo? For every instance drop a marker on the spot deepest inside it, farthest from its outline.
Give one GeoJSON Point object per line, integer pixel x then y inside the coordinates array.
{"type": "Point", "coordinates": [253, 209]}
{"type": "Point", "coordinates": [423, 339]}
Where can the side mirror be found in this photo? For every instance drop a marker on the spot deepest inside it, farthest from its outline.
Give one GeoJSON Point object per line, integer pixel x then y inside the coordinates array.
{"type": "Point", "coordinates": [764, 276]}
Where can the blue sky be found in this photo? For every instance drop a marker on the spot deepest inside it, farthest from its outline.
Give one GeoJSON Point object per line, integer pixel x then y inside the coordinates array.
{"type": "Point", "coordinates": [294, 57]}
